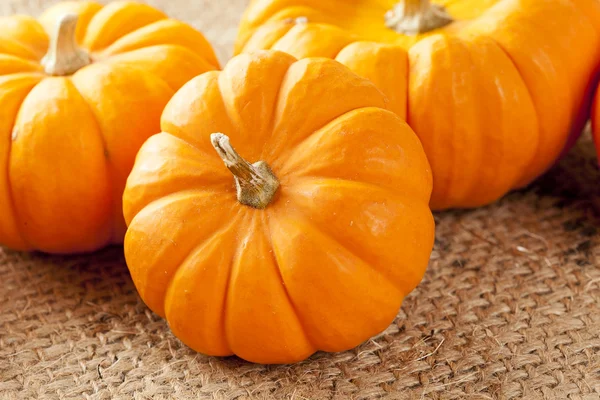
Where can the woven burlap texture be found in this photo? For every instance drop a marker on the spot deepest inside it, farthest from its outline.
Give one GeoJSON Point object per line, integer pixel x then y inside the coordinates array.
{"type": "Point", "coordinates": [509, 308]}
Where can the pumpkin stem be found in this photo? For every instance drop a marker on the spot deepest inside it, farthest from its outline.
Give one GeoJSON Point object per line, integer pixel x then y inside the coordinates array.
{"type": "Point", "coordinates": [64, 57]}
{"type": "Point", "coordinates": [412, 17]}
{"type": "Point", "coordinates": [256, 184]}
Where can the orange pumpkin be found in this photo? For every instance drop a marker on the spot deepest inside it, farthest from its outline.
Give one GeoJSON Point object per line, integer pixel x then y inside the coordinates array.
{"type": "Point", "coordinates": [309, 245]}
{"type": "Point", "coordinates": [74, 110]}
{"type": "Point", "coordinates": [495, 89]}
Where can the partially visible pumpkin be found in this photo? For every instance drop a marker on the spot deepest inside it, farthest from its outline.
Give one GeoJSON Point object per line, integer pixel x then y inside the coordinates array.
{"type": "Point", "coordinates": [495, 89]}
{"type": "Point", "coordinates": [326, 233]}
{"type": "Point", "coordinates": [74, 110]}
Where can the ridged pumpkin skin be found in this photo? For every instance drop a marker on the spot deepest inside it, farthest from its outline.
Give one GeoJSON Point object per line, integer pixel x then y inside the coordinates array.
{"type": "Point", "coordinates": [67, 143]}
{"type": "Point", "coordinates": [495, 96]}
{"type": "Point", "coordinates": [328, 262]}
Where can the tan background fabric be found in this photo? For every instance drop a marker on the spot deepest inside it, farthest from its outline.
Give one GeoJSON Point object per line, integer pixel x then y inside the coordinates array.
{"type": "Point", "coordinates": [509, 309]}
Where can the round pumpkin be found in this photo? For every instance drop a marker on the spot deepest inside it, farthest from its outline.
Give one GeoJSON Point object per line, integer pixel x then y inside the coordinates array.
{"type": "Point", "coordinates": [281, 211]}
{"type": "Point", "coordinates": [81, 89]}
{"type": "Point", "coordinates": [495, 89]}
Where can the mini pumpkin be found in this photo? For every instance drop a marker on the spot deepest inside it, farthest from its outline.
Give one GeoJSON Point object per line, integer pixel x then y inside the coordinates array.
{"type": "Point", "coordinates": [495, 89]}
{"type": "Point", "coordinates": [281, 211]}
{"type": "Point", "coordinates": [75, 106]}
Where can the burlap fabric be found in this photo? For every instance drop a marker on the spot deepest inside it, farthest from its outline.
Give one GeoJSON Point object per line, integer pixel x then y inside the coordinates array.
{"type": "Point", "coordinates": [509, 309]}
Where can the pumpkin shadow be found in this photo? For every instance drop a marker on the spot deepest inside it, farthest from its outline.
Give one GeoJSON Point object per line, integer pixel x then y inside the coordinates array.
{"type": "Point", "coordinates": [87, 270]}
{"type": "Point", "coordinates": [89, 278]}
{"type": "Point", "coordinates": [563, 204]}
{"type": "Point", "coordinates": [573, 182]}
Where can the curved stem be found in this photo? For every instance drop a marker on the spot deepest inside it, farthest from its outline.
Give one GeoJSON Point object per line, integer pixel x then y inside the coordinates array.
{"type": "Point", "coordinates": [64, 57]}
{"type": "Point", "coordinates": [256, 184]}
{"type": "Point", "coordinates": [412, 17]}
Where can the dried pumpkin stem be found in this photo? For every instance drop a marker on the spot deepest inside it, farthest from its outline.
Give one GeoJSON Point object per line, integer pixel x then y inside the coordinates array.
{"type": "Point", "coordinates": [256, 184]}
{"type": "Point", "coordinates": [412, 17]}
{"type": "Point", "coordinates": [64, 57]}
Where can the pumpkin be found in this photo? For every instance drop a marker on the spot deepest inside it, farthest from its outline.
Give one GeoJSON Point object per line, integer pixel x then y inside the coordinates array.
{"type": "Point", "coordinates": [75, 106]}
{"type": "Point", "coordinates": [495, 89]}
{"type": "Point", "coordinates": [282, 210]}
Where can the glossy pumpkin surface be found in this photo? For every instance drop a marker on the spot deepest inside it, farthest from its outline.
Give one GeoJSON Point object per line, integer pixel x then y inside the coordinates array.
{"type": "Point", "coordinates": [495, 95]}
{"type": "Point", "coordinates": [81, 88]}
{"type": "Point", "coordinates": [325, 258]}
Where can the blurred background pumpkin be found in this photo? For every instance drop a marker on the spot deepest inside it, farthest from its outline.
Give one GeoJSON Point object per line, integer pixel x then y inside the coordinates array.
{"type": "Point", "coordinates": [80, 90]}
{"type": "Point", "coordinates": [496, 90]}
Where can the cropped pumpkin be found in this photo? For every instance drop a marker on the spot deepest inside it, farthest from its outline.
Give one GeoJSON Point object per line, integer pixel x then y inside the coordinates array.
{"type": "Point", "coordinates": [281, 211]}
{"type": "Point", "coordinates": [75, 106]}
{"type": "Point", "coordinates": [495, 89]}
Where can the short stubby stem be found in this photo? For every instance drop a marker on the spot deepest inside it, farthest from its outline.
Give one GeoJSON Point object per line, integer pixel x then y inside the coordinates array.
{"type": "Point", "coordinates": [256, 184]}
{"type": "Point", "coordinates": [64, 57]}
{"type": "Point", "coordinates": [413, 17]}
